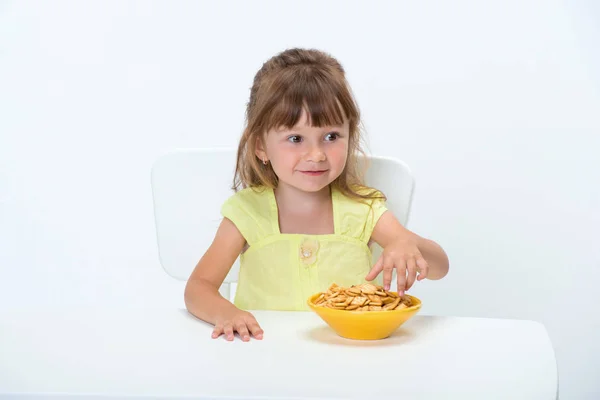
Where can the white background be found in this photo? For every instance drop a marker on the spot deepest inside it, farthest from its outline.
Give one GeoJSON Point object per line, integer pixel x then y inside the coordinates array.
{"type": "Point", "coordinates": [494, 105]}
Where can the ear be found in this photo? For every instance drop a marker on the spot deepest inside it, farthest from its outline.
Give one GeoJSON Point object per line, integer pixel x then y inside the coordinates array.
{"type": "Point", "coordinates": [259, 149]}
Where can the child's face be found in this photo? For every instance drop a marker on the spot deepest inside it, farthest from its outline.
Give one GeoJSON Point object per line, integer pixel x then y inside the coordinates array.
{"type": "Point", "coordinates": [307, 158]}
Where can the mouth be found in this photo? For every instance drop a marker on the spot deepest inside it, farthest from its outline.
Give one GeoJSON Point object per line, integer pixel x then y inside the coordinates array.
{"type": "Point", "coordinates": [314, 173]}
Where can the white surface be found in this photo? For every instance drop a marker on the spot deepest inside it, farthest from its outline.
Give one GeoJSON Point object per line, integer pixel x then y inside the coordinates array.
{"type": "Point", "coordinates": [493, 104]}
{"type": "Point", "coordinates": [189, 187]}
{"type": "Point", "coordinates": [169, 353]}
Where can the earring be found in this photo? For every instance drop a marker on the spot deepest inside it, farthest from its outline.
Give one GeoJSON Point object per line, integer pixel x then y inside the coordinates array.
{"type": "Point", "coordinates": [265, 161]}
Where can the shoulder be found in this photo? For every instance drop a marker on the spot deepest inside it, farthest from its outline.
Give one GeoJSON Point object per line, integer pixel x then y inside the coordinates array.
{"type": "Point", "coordinates": [368, 191]}
{"type": "Point", "coordinates": [250, 210]}
{"type": "Point", "coordinates": [364, 197]}
{"type": "Point", "coordinates": [359, 214]}
{"type": "Point", "coordinates": [253, 198]}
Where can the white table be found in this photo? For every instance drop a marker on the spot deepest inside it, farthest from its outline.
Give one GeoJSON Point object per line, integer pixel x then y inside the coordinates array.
{"type": "Point", "coordinates": [156, 353]}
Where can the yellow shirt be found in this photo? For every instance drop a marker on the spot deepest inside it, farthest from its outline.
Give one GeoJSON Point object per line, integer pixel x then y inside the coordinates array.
{"type": "Point", "coordinates": [280, 271]}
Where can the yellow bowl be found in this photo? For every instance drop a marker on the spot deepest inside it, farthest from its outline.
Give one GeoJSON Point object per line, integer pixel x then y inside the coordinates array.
{"type": "Point", "coordinates": [365, 325]}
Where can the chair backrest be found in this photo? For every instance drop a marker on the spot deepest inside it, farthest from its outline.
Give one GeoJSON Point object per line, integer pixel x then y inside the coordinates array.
{"type": "Point", "coordinates": [189, 187]}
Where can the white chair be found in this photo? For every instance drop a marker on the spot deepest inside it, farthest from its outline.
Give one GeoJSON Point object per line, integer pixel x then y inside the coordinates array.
{"type": "Point", "coordinates": [189, 187]}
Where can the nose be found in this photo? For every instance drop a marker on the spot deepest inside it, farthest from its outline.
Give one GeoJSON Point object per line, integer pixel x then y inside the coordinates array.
{"type": "Point", "coordinates": [316, 154]}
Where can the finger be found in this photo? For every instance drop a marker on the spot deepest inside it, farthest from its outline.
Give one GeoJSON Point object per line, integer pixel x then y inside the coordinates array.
{"type": "Point", "coordinates": [423, 268]}
{"type": "Point", "coordinates": [375, 270]}
{"type": "Point", "coordinates": [218, 331]}
{"type": "Point", "coordinates": [388, 269]}
{"type": "Point", "coordinates": [228, 331]}
{"type": "Point", "coordinates": [242, 330]}
{"type": "Point", "coordinates": [411, 266]}
{"type": "Point", "coordinates": [255, 329]}
{"type": "Point", "coordinates": [401, 278]}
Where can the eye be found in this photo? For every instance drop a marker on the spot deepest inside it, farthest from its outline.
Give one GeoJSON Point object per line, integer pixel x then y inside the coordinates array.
{"type": "Point", "coordinates": [330, 137]}
{"type": "Point", "coordinates": [294, 139]}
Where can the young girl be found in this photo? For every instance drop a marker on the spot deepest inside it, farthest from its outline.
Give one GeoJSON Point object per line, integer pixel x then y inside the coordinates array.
{"type": "Point", "coordinates": [301, 219]}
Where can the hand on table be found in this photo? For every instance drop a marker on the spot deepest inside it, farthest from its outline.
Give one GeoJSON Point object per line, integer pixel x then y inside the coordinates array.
{"type": "Point", "coordinates": [238, 321]}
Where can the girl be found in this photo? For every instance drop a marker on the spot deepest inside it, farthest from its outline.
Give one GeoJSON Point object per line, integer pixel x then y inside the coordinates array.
{"type": "Point", "coordinates": [301, 218]}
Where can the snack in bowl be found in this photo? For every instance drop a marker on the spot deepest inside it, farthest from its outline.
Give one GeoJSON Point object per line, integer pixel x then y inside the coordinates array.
{"type": "Point", "coordinates": [365, 297]}
{"type": "Point", "coordinates": [364, 312]}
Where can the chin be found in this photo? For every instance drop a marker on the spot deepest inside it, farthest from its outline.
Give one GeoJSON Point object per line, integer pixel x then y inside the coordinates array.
{"type": "Point", "coordinates": [312, 188]}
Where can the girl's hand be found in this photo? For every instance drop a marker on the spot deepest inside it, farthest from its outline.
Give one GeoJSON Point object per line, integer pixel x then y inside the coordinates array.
{"type": "Point", "coordinates": [404, 255]}
{"type": "Point", "coordinates": [238, 321]}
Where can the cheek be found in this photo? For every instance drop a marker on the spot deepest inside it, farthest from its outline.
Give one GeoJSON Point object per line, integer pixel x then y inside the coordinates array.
{"type": "Point", "coordinates": [283, 157]}
{"type": "Point", "coordinates": [339, 154]}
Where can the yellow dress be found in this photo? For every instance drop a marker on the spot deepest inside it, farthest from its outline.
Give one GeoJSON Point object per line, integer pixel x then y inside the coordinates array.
{"type": "Point", "coordinates": [280, 271]}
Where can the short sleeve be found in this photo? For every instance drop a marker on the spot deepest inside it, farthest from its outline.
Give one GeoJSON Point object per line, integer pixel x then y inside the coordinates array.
{"type": "Point", "coordinates": [249, 211]}
{"type": "Point", "coordinates": [377, 208]}
{"type": "Point", "coordinates": [358, 217]}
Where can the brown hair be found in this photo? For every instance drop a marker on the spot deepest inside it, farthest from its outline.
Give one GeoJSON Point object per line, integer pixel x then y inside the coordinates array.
{"type": "Point", "coordinates": [288, 83]}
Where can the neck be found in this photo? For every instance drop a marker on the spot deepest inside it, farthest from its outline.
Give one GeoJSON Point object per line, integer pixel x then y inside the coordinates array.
{"type": "Point", "coordinates": [288, 196]}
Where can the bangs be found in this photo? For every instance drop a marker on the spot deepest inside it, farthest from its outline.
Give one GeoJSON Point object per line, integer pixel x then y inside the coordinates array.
{"type": "Point", "coordinates": [323, 95]}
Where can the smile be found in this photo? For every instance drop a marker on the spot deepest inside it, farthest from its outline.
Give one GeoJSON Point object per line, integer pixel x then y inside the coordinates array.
{"type": "Point", "coordinates": [314, 173]}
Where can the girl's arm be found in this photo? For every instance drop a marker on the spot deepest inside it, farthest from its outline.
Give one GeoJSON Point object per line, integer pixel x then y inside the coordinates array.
{"type": "Point", "coordinates": [202, 297]}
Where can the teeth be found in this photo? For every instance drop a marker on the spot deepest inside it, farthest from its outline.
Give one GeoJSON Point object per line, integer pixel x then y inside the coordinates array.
{"type": "Point", "coordinates": [365, 297]}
